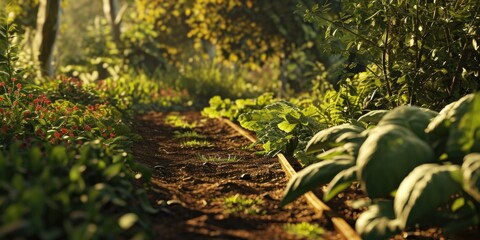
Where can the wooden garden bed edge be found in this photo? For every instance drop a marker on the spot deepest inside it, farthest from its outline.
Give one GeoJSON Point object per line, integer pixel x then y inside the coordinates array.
{"type": "Point", "coordinates": [339, 223]}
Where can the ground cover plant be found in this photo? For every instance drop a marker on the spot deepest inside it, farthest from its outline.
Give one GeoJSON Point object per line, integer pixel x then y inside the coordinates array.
{"type": "Point", "coordinates": [306, 230]}
{"type": "Point", "coordinates": [243, 204]}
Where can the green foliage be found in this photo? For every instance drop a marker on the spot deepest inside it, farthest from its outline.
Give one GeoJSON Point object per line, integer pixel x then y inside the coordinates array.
{"type": "Point", "coordinates": [66, 171]}
{"type": "Point", "coordinates": [188, 134]}
{"type": "Point", "coordinates": [175, 120]}
{"type": "Point", "coordinates": [196, 144]}
{"type": "Point", "coordinates": [377, 222]}
{"type": "Point", "coordinates": [219, 159]}
{"type": "Point", "coordinates": [305, 230]}
{"type": "Point", "coordinates": [243, 204]}
{"type": "Point", "coordinates": [471, 172]}
{"type": "Point", "coordinates": [205, 79]}
{"type": "Point", "coordinates": [456, 128]}
{"type": "Point", "coordinates": [413, 118]}
{"type": "Point", "coordinates": [46, 193]}
{"type": "Point", "coordinates": [353, 95]}
{"type": "Point", "coordinates": [313, 175]}
{"type": "Point", "coordinates": [389, 153]}
{"type": "Point", "coordinates": [232, 109]}
{"type": "Point", "coordinates": [412, 156]}
{"type": "Point", "coordinates": [333, 137]}
{"type": "Point", "coordinates": [426, 188]}
{"type": "Point", "coordinates": [281, 126]}
{"type": "Point", "coordinates": [426, 54]}
{"type": "Point", "coordinates": [8, 49]}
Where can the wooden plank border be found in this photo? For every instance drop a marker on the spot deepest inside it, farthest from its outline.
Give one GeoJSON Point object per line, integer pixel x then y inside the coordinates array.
{"type": "Point", "coordinates": [339, 223]}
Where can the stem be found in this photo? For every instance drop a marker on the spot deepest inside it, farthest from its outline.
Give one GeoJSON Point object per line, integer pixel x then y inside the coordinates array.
{"type": "Point", "coordinates": [417, 55]}
{"type": "Point", "coordinates": [463, 56]}
{"type": "Point", "coordinates": [373, 44]}
{"type": "Point", "coordinates": [385, 56]}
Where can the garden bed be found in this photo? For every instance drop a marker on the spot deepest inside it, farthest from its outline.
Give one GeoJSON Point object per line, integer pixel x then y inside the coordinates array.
{"type": "Point", "coordinates": [192, 184]}
{"type": "Point", "coordinates": [343, 211]}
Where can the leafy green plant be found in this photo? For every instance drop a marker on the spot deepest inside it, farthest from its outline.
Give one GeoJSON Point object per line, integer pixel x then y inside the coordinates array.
{"type": "Point", "coordinates": [175, 120]}
{"type": "Point", "coordinates": [305, 230]}
{"type": "Point", "coordinates": [281, 126]}
{"type": "Point", "coordinates": [232, 109]}
{"type": "Point", "coordinates": [60, 193]}
{"type": "Point", "coordinates": [426, 161]}
{"type": "Point", "coordinates": [66, 170]}
{"type": "Point", "coordinates": [243, 204]}
{"type": "Point", "coordinates": [412, 47]}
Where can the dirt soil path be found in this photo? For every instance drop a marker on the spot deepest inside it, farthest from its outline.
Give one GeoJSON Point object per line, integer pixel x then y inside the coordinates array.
{"type": "Point", "coordinates": [191, 182]}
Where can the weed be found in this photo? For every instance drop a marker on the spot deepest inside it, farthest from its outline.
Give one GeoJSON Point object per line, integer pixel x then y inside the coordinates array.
{"type": "Point", "coordinates": [218, 158]}
{"type": "Point", "coordinates": [188, 134]}
{"type": "Point", "coordinates": [304, 230]}
{"type": "Point", "coordinates": [196, 143]}
{"type": "Point", "coordinates": [175, 120]}
{"type": "Point", "coordinates": [243, 204]}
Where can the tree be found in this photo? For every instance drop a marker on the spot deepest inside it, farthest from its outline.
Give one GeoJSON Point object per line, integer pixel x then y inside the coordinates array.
{"type": "Point", "coordinates": [48, 18]}
{"type": "Point", "coordinates": [113, 15]}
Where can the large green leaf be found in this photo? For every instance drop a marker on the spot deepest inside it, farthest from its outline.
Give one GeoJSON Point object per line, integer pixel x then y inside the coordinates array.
{"type": "Point", "coordinates": [326, 138]}
{"type": "Point", "coordinates": [312, 177]}
{"type": "Point", "coordinates": [456, 129]}
{"type": "Point", "coordinates": [465, 131]}
{"type": "Point", "coordinates": [373, 117]}
{"type": "Point", "coordinates": [425, 189]}
{"type": "Point", "coordinates": [387, 156]}
{"type": "Point", "coordinates": [411, 117]}
{"type": "Point", "coordinates": [471, 175]}
{"type": "Point", "coordinates": [438, 126]}
{"type": "Point", "coordinates": [287, 126]}
{"type": "Point", "coordinates": [340, 182]}
{"type": "Point", "coordinates": [378, 222]}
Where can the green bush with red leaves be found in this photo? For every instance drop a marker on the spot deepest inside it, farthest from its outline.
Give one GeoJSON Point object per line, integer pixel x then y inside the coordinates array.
{"type": "Point", "coordinates": [66, 171]}
{"type": "Point", "coordinates": [65, 167]}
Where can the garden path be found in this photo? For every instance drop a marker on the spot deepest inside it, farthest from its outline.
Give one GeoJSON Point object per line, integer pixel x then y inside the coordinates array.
{"type": "Point", "coordinates": [191, 183]}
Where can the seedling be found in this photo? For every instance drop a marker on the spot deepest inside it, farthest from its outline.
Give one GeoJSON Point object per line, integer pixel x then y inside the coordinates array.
{"type": "Point", "coordinates": [218, 158]}
{"type": "Point", "coordinates": [243, 204]}
{"type": "Point", "coordinates": [196, 143]}
{"type": "Point", "coordinates": [188, 135]}
{"type": "Point", "coordinates": [304, 230]}
{"type": "Point", "coordinates": [175, 120]}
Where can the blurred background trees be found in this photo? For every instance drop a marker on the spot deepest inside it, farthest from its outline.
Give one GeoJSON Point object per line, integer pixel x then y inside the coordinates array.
{"type": "Point", "coordinates": [386, 53]}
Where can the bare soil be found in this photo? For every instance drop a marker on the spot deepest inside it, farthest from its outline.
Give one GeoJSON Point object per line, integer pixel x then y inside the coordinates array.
{"type": "Point", "coordinates": [191, 191]}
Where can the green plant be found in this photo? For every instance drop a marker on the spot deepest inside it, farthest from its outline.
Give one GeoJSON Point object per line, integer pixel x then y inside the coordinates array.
{"type": "Point", "coordinates": [412, 47]}
{"type": "Point", "coordinates": [66, 170]}
{"type": "Point", "coordinates": [188, 134]}
{"type": "Point", "coordinates": [175, 120]}
{"type": "Point", "coordinates": [305, 230]}
{"type": "Point", "coordinates": [231, 109]}
{"type": "Point", "coordinates": [281, 126]}
{"type": "Point", "coordinates": [218, 158]}
{"type": "Point", "coordinates": [243, 204]}
{"type": "Point", "coordinates": [196, 143]}
{"type": "Point", "coordinates": [426, 161]}
{"type": "Point", "coordinates": [61, 193]}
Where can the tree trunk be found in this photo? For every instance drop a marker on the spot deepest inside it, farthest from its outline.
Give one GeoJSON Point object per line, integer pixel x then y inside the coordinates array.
{"type": "Point", "coordinates": [48, 19]}
{"type": "Point", "coordinates": [111, 11]}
